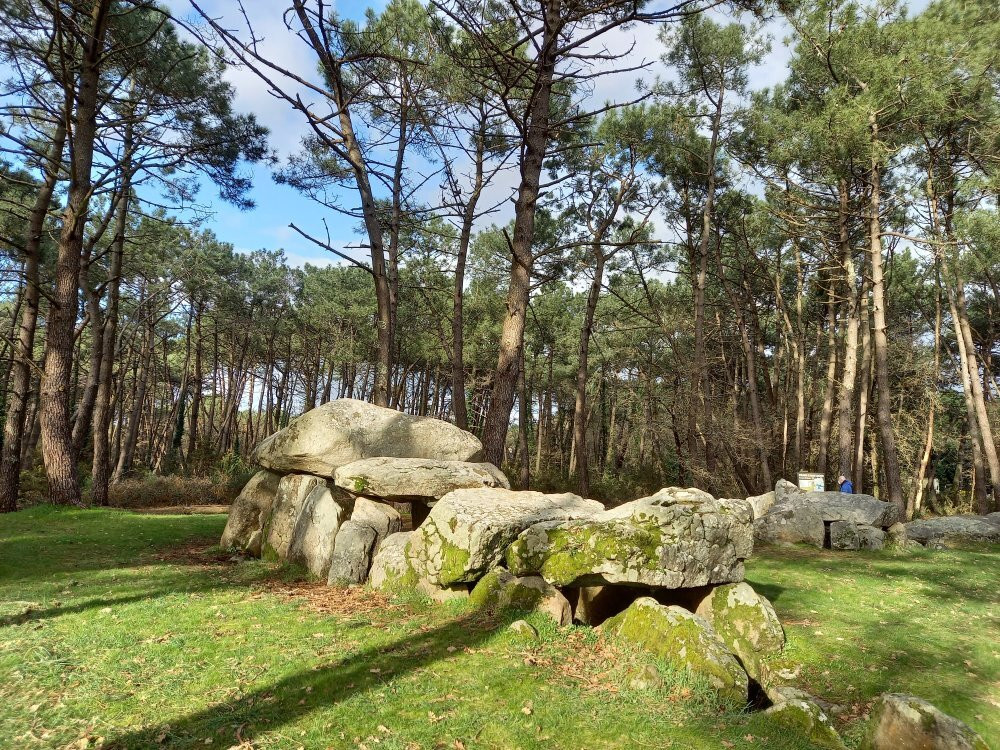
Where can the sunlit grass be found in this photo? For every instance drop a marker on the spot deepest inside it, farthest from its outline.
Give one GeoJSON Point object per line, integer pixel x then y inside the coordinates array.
{"type": "Point", "coordinates": [130, 630]}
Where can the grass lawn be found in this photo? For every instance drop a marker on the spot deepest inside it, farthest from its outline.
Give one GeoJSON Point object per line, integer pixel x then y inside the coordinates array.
{"type": "Point", "coordinates": [127, 630]}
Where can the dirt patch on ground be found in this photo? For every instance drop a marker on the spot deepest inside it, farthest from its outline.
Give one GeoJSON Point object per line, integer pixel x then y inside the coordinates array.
{"type": "Point", "coordinates": [316, 596]}
{"type": "Point", "coordinates": [200, 553]}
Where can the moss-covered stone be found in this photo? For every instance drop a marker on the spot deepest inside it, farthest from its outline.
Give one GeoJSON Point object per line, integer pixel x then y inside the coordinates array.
{"type": "Point", "coordinates": [809, 720]}
{"type": "Point", "coordinates": [676, 538]}
{"type": "Point", "coordinates": [486, 593]}
{"type": "Point", "coordinates": [391, 570]}
{"type": "Point", "coordinates": [570, 554]}
{"type": "Point", "coordinates": [746, 622]}
{"type": "Point", "coordinates": [683, 639]}
{"type": "Point", "coordinates": [905, 721]}
{"type": "Point", "coordinates": [498, 590]}
{"type": "Point", "coordinates": [524, 629]}
{"type": "Point", "coordinates": [468, 530]}
{"type": "Point", "coordinates": [895, 537]}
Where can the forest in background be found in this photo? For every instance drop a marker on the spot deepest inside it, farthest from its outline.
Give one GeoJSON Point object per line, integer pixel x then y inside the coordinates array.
{"type": "Point", "coordinates": [710, 286]}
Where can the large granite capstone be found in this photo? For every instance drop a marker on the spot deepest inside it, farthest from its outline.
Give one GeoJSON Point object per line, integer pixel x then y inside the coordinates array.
{"type": "Point", "coordinates": [840, 506]}
{"type": "Point", "coordinates": [415, 479]}
{"type": "Point", "coordinates": [345, 430]}
{"type": "Point", "coordinates": [678, 538]}
{"type": "Point", "coordinates": [468, 531]}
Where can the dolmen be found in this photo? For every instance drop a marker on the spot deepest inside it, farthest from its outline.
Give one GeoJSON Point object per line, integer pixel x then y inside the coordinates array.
{"type": "Point", "coordinates": [840, 521]}
{"type": "Point", "coordinates": [665, 572]}
{"type": "Point", "coordinates": [834, 520]}
{"type": "Point", "coordinates": [330, 481]}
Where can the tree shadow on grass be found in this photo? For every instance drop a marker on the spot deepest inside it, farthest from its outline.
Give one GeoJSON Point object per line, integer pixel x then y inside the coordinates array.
{"type": "Point", "coordinates": [45, 542]}
{"type": "Point", "coordinates": [771, 591]}
{"type": "Point", "coordinates": [896, 637]}
{"type": "Point", "coordinates": [272, 706]}
{"type": "Point", "coordinates": [182, 584]}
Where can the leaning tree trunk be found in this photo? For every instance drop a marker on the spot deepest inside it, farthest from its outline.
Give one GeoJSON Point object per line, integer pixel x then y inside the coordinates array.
{"type": "Point", "coordinates": [23, 355]}
{"type": "Point", "coordinates": [964, 331]}
{"type": "Point", "coordinates": [512, 333]}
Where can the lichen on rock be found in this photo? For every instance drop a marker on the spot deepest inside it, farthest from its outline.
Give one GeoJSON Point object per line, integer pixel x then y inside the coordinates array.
{"type": "Point", "coordinates": [905, 721]}
{"type": "Point", "coordinates": [390, 570]}
{"type": "Point", "coordinates": [684, 640]}
{"type": "Point", "coordinates": [809, 719]}
{"type": "Point", "coordinates": [746, 622]}
{"type": "Point", "coordinates": [468, 531]}
{"type": "Point", "coordinates": [677, 538]}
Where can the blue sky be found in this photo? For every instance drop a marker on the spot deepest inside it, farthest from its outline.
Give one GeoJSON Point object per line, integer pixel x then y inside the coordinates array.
{"type": "Point", "coordinates": [266, 226]}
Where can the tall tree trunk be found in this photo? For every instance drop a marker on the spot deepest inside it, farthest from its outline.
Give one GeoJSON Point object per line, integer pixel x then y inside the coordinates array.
{"type": "Point", "coordinates": [963, 331]}
{"type": "Point", "coordinates": [458, 402]}
{"type": "Point", "coordinates": [913, 508]}
{"type": "Point", "coordinates": [701, 382]}
{"type": "Point", "coordinates": [199, 378]}
{"type": "Point", "coordinates": [125, 457]}
{"type": "Point", "coordinates": [861, 418]}
{"type": "Point", "coordinates": [101, 467]}
{"type": "Point", "coordinates": [826, 416]}
{"type": "Point", "coordinates": [57, 432]}
{"type": "Point", "coordinates": [24, 346]}
{"type": "Point", "coordinates": [889, 457]}
{"type": "Point", "coordinates": [512, 333]}
{"type": "Point", "coordinates": [522, 428]}
{"type": "Point", "coordinates": [850, 372]}
{"type": "Point", "coordinates": [580, 408]}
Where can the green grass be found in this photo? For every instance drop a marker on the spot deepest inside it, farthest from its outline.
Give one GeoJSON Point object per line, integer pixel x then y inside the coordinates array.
{"type": "Point", "coordinates": [923, 622]}
{"type": "Point", "coordinates": [127, 630]}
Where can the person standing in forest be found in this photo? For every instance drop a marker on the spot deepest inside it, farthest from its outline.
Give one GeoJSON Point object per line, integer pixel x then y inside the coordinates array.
{"type": "Point", "coordinates": [845, 485]}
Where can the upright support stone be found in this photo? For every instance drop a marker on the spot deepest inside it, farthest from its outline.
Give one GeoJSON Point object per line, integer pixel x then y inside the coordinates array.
{"type": "Point", "coordinates": [682, 638]}
{"type": "Point", "coordinates": [283, 521]}
{"type": "Point", "coordinates": [249, 513]}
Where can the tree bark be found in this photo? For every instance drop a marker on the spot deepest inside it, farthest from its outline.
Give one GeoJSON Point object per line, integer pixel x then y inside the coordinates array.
{"type": "Point", "coordinates": [580, 408]}
{"type": "Point", "coordinates": [889, 458]}
{"type": "Point", "coordinates": [24, 346]}
{"type": "Point", "coordinates": [57, 432]}
{"type": "Point", "coordinates": [913, 507]}
{"type": "Point", "coordinates": [101, 467]}
{"type": "Point", "coordinates": [850, 372]}
{"type": "Point", "coordinates": [536, 141]}
{"type": "Point", "coordinates": [826, 416]}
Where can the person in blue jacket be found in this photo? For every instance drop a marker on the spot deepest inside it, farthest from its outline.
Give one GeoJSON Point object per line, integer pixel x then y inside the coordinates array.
{"type": "Point", "coordinates": [846, 485]}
